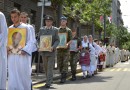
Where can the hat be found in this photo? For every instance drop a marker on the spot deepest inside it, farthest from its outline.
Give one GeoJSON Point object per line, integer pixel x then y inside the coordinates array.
{"type": "Point", "coordinates": [48, 17]}
{"type": "Point", "coordinates": [63, 18]}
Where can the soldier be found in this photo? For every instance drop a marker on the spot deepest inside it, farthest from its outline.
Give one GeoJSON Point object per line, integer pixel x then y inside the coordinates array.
{"type": "Point", "coordinates": [48, 56]}
{"type": "Point", "coordinates": [63, 53]}
{"type": "Point", "coordinates": [74, 55]}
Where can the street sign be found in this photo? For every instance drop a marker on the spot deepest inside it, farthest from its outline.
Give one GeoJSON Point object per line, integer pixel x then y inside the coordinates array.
{"type": "Point", "coordinates": [48, 3]}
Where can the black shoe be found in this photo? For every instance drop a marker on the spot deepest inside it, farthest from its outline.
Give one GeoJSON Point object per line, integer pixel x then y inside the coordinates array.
{"type": "Point", "coordinates": [84, 77]}
{"type": "Point", "coordinates": [73, 79]}
{"type": "Point", "coordinates": [88, 76]}
{"type": "Point", "coordinates": [93, 74]}
{"type": "Point", "coordinates": [47, 85]}
{"type": "Point", "coordinates": [63, 78]}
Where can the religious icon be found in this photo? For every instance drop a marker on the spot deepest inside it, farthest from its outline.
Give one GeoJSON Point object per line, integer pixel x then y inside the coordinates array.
{"type": "Point", "coordinates": [73, 45]}
{"type": "Point", "coordinates": [63, 40]}
{"type": "Point", "coordinates": [16, 40]}
{"type": "Point", "coordinates": [45, 43]}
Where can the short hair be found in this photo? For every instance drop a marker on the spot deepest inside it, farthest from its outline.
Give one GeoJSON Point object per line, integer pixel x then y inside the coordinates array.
{"type": "Point", "coordinates": [15, 11]}
{"type": "Point", "coordinates": [24, 13]}
{"type": "Point", "coordinates": [90, 36]}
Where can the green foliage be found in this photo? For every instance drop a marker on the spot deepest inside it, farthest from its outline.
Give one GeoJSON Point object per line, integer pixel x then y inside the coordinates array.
{"type": "Point", "coordinates": [83, 11]}
{"type": "Point", "coordinates": [120, 33]}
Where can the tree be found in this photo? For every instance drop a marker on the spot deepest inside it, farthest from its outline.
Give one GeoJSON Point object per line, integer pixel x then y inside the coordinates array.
{"type": "Point", "coordinates": [84, 10]}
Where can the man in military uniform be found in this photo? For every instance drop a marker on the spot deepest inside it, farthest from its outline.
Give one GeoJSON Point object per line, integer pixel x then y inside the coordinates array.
{"type": "Point", "coordinates": [63, 53]}
{"type": "Point", "coordinates": [48, 56]}
{"type": "Point", "coordinates": [74, 55]}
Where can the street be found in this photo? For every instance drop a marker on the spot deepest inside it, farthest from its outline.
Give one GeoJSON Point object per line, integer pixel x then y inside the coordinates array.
{"type": "Point", "coordinates": [115, 78]}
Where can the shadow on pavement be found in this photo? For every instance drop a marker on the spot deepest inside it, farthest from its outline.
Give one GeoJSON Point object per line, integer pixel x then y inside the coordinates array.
{"type": "Point", "coordinates": [97, 78]}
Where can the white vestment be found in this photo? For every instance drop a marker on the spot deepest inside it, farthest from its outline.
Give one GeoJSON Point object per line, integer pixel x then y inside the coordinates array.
{"type": "Point", "coordinates": [116, 55]}
{"type": "Point", "coordinates": [3, 51]}
{"type": "Point", "coordinates": [34, 41]}
{"type": "Point", "coordinates": [112, 55]}
{"type": "Point", "coordinates": [92, 58]}
{"type": "Point", "coordinates": [108, 56]}
{"type": "Point", "coordinates": [19, 66]}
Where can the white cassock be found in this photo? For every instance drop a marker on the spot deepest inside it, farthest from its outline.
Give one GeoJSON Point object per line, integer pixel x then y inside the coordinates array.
{"type": "Point", "coordinates": [98, 50]}
{"type": "Point", "coordinates": [92, 58]}
{"type": "Point", "coordinates": [19, 66]}
{"type": "Point", "coordinates": [34, 41]}
{"type": "Point", "coordinates": [112, 55]}
{"type": "Point", "coordinates": [3, 51]}
{"type": "Point", "coordinates": [108, 55]}
{"type": "Point", "coordinates": [116, 55]}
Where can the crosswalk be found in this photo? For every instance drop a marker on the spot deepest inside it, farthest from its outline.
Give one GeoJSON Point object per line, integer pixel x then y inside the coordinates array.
{"type": "Point", "coordinates": [114, 69]}
{"type": "Point", "coordinates": [117, 69]}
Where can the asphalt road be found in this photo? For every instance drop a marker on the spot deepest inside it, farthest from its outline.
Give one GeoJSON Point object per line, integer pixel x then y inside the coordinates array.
{"type": "Point", "coordinates": [115, 78]}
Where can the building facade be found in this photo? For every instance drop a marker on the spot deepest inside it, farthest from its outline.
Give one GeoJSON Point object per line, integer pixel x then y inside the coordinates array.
{"type": "Point", "coordinates": [116, 13]}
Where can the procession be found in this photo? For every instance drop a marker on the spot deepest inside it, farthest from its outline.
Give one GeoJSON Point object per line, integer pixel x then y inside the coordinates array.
{"type": "Point", "coordinates": [59, 49]}
{"type": "Point", "coordinates": [91, 54]}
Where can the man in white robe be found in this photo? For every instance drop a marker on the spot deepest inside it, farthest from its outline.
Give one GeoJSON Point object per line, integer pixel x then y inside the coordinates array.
{"type": "Point", "coordinates": [24, 19]}
{"type": "Point", "coordinates": [117, 55]}
{"type": "Point", "coordinates": [98, 50]}
{"type": "Point", "coordinates": [3, 51]}
{"type": "Point", "coordinates": [108, 56]}
{"type": "Point", "coordinates": [112, 55]}
{"type": "Point", "coordinates": [19, 66]}
{"type": "Point", "coordinates": [93, 55]}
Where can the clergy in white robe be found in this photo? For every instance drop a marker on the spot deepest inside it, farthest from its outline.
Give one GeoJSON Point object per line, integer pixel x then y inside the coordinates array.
{"type": "Point", "coordinates": [108, 56]}
{"type": "Point", "coordinates": [117, 55]}
{"type": "Point", "coordinates": [24, 19]}
{"type": "Point", "coordinates": [112, 55]}
{"type": "Point", "coordinates": [19, 65]}
{"type": "Point", "coordinates": [93, 55]}
{"type": "Point", "coordinates": [3, 51]}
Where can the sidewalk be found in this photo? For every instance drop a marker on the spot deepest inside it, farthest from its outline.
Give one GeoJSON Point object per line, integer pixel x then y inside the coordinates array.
{"type": "Point", "coordinates": [42, 78]}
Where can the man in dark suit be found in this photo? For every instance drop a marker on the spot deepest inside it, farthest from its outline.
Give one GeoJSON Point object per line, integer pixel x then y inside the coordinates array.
{"type": "Point", "coordinates": [49, 56]}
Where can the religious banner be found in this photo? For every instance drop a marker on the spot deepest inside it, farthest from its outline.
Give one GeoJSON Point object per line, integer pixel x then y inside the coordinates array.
{"type": "Point", "coordinates": [45, 43]}
{"type": "Point", "coordinates": [73, 45]}
{"type": "Point", "coordinates": [63, 40]}
{"type": "Point", "coordinates": [16, 40]}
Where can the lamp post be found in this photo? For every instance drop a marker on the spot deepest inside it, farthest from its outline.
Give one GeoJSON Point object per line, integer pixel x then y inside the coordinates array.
{"type": "Point", "coordinates": [93, 27]}
{"type": "Point", "coordinates": [104, 27]}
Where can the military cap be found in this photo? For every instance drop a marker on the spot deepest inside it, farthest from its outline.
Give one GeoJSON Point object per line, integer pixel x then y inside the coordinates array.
{"type": "Point", "coordinates": [63, 18]}
{"type": "Point", "coordinates": [48, 17]}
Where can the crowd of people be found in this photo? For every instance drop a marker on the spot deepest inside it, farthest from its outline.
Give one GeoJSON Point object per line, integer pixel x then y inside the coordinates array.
{"type": "Point", "coordinates": [90, 53]}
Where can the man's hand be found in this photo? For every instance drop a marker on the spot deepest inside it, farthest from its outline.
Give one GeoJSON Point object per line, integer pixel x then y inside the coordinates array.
{"type": "Point", "coordinates": [52, 49]}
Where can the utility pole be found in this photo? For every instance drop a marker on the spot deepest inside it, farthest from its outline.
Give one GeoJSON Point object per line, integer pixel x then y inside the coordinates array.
{"type": "Point", "coordinates": [93, 27]}
{"type": "Point", "coordinates": [42, 12]}
{"type": "Point", "coordinates": [104, 27]}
